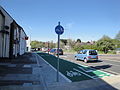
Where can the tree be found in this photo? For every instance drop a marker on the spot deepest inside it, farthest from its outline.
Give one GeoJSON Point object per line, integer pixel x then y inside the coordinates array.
{"type": "Point", "coordinates": [78, 47]}
{"type": "Point", "coordinates": [118, 36]}
{"type": "Point", "coordinates": [92, 46]}
{"type": "Point", "coordinates": [35, 44]}
{"type": "Point", "coordinates": [116, 42]}
{"type": "Point", "coordinates": [105, 44]}
{"type": "Point", "coordinates": [78, 41]}
{"type": "Point", "coordinates": [71, 43]}
{"type": "Point", "coordinates": [52, 45]}
{"type": "Point", "coordinates": [64, 41]}
{"type": "Point", "coordinates": [105, 37]}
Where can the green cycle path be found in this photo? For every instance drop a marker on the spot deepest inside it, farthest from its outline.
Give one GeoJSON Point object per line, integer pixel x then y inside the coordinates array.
{"type": "Point", "coordinates": [74, 72]}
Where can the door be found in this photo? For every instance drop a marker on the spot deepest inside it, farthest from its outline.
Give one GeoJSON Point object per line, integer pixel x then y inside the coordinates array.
{"type": "Point", "coordinates": [84, 55]}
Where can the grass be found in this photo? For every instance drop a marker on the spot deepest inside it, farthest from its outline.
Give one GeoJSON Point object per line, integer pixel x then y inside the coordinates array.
{"type": "Point", "coordinates": [99, 52]}
{"type": "Point", "coordinates": [70, 51]}
{"type": "Point", "coordinates": [109, 52]}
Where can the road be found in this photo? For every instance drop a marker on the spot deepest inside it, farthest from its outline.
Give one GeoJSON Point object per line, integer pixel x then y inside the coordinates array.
{"type": "Point", "coordinates": [108, 63]}
{"type": "Point", "coordinates": [74, 72]}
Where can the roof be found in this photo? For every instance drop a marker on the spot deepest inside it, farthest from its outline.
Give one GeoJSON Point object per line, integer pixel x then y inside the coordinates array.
{"type": "Point", "coordinates": [12, 18]}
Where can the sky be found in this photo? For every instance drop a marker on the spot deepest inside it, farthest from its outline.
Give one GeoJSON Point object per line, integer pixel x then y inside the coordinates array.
{"type": "Point", "coordinates": [84, 19]}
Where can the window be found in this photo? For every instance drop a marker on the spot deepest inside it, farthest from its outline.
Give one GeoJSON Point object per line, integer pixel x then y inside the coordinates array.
{"type": "Point", "coordinates": [84, 52]}
{"type": "Point", "coordinates": [81, 52]}
{"type": "Point", "coordinates": [92, 52]}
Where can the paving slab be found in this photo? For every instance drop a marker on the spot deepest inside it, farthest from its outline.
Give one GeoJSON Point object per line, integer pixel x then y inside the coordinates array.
{"type": "Point", "coordinates": [21, 73]}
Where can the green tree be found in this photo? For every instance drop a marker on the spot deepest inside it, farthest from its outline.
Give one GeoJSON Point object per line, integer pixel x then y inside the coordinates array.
{"type": "Point", "coordinates": [52, 45]}
{"type": "Point", "coordinates": [92, 46]}
{"type": "Point", "coordinates": [105, 44]}
{"type": "Point", "coordinates": [64, 41]}
{"type": "Point", "coordinates": [78, 47]}
{"type": "Point", "coordinates": [118, 36]}
{"type": "Point", "coordinates": [35, 44]}
{"type": "Point", "coordinates": [78, 41]}
{"type": "Point", "coordinates": [71, 43]}
{"type": "Point", "coordinates": [116, 42]}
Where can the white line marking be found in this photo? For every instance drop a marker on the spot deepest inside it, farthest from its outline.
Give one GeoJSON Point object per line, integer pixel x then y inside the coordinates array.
{"type": "Point", "coordinates": [83, 73]}
{"type": "Point", "coordinates": [27, 66]}
{"type": "Point", "coordinates": [109, 59]}
{"type": "Point", "coordinates": [111, 63]}
{"type": "Point", "coordinates": [99, 70]}
{"type": "Point", "coordinates": [86, 70]}
{"type": "Point", "coordinates": [101, 75]}
{"type": "Point", "coordinates": [106, 73]}
{"type": "Point", "coordinates": [91, 68]}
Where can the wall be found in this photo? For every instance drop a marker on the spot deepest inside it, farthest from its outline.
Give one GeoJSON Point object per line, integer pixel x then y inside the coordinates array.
{"type": "Point", "coordinates": [13, 42]}
{"type": "Point", "coordinates": [5, 38]}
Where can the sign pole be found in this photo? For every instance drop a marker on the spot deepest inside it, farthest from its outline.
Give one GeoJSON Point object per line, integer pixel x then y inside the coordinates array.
{"type": "Point", "coordinates": [59, 30]}
{"type": "Point", "coordinates": [48, 47]}
{"type": "Point", "coordinates": [58, 58]}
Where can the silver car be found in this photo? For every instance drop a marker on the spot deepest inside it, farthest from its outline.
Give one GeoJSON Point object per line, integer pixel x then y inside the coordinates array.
{"type": "Point", "coordinates": [87, 55]}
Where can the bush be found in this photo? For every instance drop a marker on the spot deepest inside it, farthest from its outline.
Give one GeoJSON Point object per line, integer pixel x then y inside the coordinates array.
{"type": "Point", "coordinates": [77, 47]}
{"type": "Point", "coordinates": [112, 52]}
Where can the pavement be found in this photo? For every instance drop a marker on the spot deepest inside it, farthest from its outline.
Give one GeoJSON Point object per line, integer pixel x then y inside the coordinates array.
{"type": "Point", "coordinates": [32, 72]}
{"type": "Point", "coordinates": [20, 73]}
{"type": "Point", "coordinates": [112, 83]}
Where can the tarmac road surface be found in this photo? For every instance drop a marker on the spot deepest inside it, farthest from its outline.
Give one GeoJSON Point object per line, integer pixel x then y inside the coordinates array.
{"type": "Point", "coordinates": [108, 63]}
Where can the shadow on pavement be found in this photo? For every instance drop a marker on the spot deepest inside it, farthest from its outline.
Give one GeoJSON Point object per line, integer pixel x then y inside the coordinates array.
{"type": "Point", "coordinates": [98, 61]}
{"type": "Point", "coordinates": [101, 67]}
{"type": "Point", "coordinates": [11, 70]}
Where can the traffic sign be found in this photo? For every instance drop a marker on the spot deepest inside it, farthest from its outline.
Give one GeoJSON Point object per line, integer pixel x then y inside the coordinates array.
{"type": "Point", "coordinates": [59, 29]}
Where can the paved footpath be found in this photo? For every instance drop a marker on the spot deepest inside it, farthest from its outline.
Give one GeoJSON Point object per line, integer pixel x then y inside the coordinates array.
{"type": "Point", "coordinates": [28, 72]}
{"type": "Point", "coordinates": [21, 73]}
{"type": "Point", "coordinates": [31, 72]}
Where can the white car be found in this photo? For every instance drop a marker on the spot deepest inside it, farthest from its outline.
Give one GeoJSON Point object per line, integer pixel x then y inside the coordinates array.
{"type": "Point", "coordinates": [87, 55]}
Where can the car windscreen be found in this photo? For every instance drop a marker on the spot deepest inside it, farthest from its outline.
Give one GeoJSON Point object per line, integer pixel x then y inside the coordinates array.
{"type": "Point", "coordinates": [52, 50]}
{"type": "Point", "coordinates": [92, 52]}
{"type": "Point", "coordinates": [60, 50]}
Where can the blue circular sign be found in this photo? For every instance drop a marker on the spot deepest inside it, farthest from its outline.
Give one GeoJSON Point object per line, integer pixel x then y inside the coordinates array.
{"type": "Point", "coordinates": [59, 29]}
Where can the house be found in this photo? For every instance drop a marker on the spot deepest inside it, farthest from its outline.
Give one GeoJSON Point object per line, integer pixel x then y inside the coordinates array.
{"type": "Point", "coordinates": [12, 36]}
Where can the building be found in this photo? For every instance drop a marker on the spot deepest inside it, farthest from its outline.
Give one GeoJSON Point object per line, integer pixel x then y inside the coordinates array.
{"type": "Point", "coordinates": [28, 44]}
{"type": "Point", "coordinates": [12, 36]}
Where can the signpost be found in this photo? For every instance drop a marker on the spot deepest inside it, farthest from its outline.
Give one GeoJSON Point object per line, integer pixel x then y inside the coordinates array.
{"type": "Point", "coordinates": [59, 30]}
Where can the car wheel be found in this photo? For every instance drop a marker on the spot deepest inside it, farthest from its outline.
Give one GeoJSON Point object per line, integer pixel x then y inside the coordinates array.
{"type": "Point", "coordinates": [85, 60]}
{"type": "Point", "coordinates": [76, 58]}
{"type": "Point", "coordinates": [96, 60]}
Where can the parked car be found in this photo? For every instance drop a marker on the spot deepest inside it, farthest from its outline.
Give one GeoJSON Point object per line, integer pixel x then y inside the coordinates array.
{"type": "Point", "coordinates": [33, 49]}
{"type": "Point", "coordinates": [54, 51]}
{"type": "Point", "coordinates": [87, 55]}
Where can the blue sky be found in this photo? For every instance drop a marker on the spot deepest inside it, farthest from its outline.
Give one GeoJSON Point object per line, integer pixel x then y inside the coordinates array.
{"type": "Point", "coordinates": [84, 19]}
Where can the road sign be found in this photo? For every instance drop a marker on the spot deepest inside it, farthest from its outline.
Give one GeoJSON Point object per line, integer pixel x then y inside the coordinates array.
{"type": "Point", "coordinates": [59, 29]}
